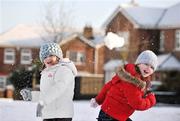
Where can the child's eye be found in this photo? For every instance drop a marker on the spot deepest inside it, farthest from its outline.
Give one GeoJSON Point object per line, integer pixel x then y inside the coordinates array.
{"type": "Point", "coordinates": [152, 67]}
{"type": "Point", "coordinates": [149, 66]}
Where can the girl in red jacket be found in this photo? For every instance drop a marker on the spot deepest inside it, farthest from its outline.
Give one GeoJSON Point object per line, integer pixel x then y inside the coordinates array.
{"type": "Point", "coordinates": [128, 90]}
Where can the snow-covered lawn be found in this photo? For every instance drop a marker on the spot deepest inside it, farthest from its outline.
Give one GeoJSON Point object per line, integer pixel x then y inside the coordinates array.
{"type": "Point", "coordinates": [83, 112]}
{"type": "Point", "coordinates": [25, 111]}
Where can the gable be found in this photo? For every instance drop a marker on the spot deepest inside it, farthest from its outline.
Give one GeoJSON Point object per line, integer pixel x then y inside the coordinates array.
{"type": "Point", "coordinates": [94, 43]}
{"type": "Point", "coordinates": [168, 62]}
{"type": "Point", "coordinates": [170, 18]}
{"type": "Point", "coordinates": [148, 18]}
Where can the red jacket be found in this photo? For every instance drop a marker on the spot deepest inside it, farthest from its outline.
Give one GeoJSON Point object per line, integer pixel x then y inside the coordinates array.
{"type": "Point", "coordinates": [120, 98]}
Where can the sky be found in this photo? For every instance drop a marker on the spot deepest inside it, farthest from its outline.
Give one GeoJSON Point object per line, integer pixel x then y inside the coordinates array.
{"type": "Point", "coordinates": [81, 12]}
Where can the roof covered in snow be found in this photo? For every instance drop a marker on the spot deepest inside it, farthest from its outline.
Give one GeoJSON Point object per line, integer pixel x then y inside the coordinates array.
{"type": "Point", "coordinates": [32, 42]}
{"type": "Point", "coordinates": [170, 18]}
{"type": "Point", "coordinates": [22, 31]}
{"type": "Point", "coordinates": [167, 62]}
{"type": "Point", "coordinates": [149, 18]}
{"type": "Point", "coordinates": [27, 36]}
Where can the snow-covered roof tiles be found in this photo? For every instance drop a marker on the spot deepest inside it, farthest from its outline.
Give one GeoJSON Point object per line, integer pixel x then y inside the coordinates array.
{"type": "Point", "coordinates": [149, 18]}
{"type": "Point", "coordinates": [167, 62]}
{"type": "Point", "coordinates": [27, 36]}
{"type": "Point", "coordinates": [143, 17]}
{"type": "Point", "coordinates": [32, 42]}
{"type": "Point", "coordinates": [21, 31]}
{"type": "Point", "coordinates": [171, 19]}
{"type": "Point", "coordinates": [96, 42]}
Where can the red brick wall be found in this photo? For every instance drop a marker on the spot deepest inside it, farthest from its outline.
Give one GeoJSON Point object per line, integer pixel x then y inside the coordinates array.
{"type": "Point", "coordinates": [169, 42]}
{"type": "Point", "coordinates": [7, 68]}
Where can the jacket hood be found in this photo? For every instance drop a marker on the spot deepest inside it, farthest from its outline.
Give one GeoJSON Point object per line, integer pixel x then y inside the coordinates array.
{"type": "Point", "coordinates": [69, 64]}
{"type": "Point", "coordinates": [64, 62]}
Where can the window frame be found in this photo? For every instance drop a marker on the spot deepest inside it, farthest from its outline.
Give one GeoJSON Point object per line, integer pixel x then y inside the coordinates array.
{"type": "Point", "coordinates": [162, 41]}
{"type": "Point", "coordinates": [26, 53]}
{"type": "Point", "coordinates": [2, 82]}
{"type": "Point", "coordinates": [78, 55]}
{"type": "Point", "coordinates": [177, 40]}
{"type": "Point", "coordinates": [11, 53]}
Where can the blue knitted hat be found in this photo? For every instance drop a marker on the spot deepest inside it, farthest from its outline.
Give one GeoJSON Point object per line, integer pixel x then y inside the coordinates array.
{"type": "Point", "coordinates": [48, 49]}
{"type": "Point", "coordinates": [147, 57]}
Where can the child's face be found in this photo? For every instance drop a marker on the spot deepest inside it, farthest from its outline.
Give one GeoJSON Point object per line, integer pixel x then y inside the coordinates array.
{"type": "Point", "coordinates": [146, 70]}
{"type": "Point", "coordinates": [50, 60]}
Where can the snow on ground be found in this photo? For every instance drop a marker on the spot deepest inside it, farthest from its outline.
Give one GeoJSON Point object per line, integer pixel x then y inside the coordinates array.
{"type": "Point", "coordinates": [25, 111]}
{"type": "Point", "coordinates": [83, 112]}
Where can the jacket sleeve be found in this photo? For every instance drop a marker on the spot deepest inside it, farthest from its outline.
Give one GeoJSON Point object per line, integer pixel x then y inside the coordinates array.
{"type": "Point", "coordinates": [102, 94]}
{"type": "Point", "coordinates": [63, 79]}
{"type": "Point", "coordinates": [136, 100]}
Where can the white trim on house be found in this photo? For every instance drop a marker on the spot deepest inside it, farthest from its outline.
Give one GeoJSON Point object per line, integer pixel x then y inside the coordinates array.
{"type": "Point", "coordinates": [96, 60]}
{"type": "Point", "coordinates": [177, 40]}
{"type": "Point", "coordinates": [162, 39]}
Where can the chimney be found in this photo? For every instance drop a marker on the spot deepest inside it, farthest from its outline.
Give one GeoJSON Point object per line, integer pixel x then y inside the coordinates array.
{"type": "Point", "coordinates": [88, 32]}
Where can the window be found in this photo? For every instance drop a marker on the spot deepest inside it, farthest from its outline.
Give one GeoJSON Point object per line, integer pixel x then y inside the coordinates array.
{"type": "Point", "coordinates": [162, 37]}
{"type": "Point", "coordinates": [26, 56]}
{"type": "Point", "coordinates": [9, 56]}
{"type": "Point", "coordinates": [177, 40]}
{"type": "Point", "coordinates": [2, 82]}
{"type": "Point", "coordinates": [76, 57]}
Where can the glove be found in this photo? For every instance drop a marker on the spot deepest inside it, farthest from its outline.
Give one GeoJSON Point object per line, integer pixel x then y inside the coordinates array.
{"type": "Point", "coordinates": [40, 106]}
{"type": "Point", "coordinates": [147, 93]}
{"type": "Point", "coordinates": [26, 94]}
{"type": "Point", "coordinates": [93, 103]}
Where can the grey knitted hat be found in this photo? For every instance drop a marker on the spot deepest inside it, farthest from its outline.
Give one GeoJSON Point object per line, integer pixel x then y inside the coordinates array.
{"type": "Point", "coordinates": [147, 57]}
{"type": "Point", "coordinates": [48, 49]}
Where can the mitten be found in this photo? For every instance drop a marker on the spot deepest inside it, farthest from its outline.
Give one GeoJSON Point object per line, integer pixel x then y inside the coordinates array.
{"type": "Point", "coordinates": [146, 93]}
{"type": "Point", "coordinates": [152, 98]}
{"type": "Point", "coordinates": [40, 106]}
{"type": "Point", "coordinates": [26, 94]}
{"type": "Point", "coordinates": [93, 103]}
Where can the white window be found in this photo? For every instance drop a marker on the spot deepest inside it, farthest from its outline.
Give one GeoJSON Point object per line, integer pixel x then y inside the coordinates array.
{"type": "Point", "coordinates": [162, 37]}
{"type": "Point", "coordinates": [26, 56]}
{"type": "Point", "coordinates": [125, 35]}
{"type": "Point", "coordinates": [177, 40]}
{"type": "Point", "coordinates": [76, 57]}
{"type": "Point", "coordinates": [2, 82]}
{"type": "Point", "coordinates": [9, 56]}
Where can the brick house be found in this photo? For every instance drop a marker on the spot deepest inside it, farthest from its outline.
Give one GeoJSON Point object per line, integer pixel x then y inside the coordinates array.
{"type": "Point", "coordinates": [157, 29]}
{"type": "Point", "coordinates": [85, 49]}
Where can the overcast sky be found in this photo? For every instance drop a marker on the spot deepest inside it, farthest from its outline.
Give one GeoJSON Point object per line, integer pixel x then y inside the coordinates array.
{"type": "Point", "coordinates": [91, 12]}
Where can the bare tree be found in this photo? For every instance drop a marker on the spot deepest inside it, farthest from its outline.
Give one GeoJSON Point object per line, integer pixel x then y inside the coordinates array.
{"type": "Point", "coordinates": [57, 20]}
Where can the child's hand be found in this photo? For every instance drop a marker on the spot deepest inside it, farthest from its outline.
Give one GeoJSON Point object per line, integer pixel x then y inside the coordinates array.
{"type": "Point", "coordinates": [40, 106]}
{"type": "Point", "coordinates": [26, 94]}
{"type": "Point", "coordinates": [93, 103]}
